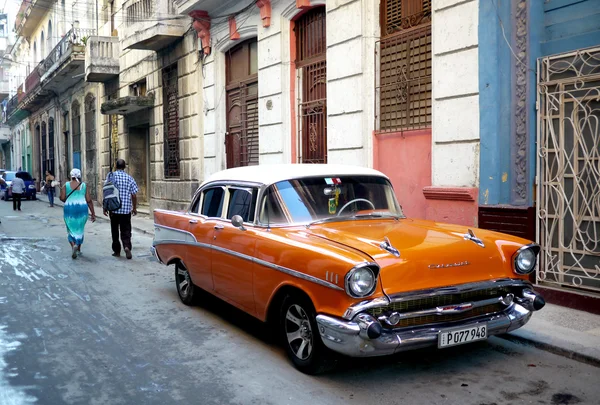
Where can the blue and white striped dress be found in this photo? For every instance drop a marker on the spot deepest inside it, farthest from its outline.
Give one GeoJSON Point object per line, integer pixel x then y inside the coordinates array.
{"type": "Point", "coordinates": [76, 213]}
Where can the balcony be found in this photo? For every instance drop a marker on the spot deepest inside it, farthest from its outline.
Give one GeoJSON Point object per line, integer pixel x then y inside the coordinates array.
{"type": "Point", "coordinates": [152, 24]}
{"type": "Point", "coordinates": [213, 7]}
{"type": "Point", "coordinates": [4, 89]}
{"type": "Point", "coordinates": [101, 59]}
{"type": "Point", "coordinates": [13, 113]}
{"type": "Point", "coordinates": [30, 14]}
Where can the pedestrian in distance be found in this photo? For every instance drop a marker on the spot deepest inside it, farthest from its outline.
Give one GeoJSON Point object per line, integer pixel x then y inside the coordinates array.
{"type": "Point", "coordinates": [120, 219]}
{"type": "Point", "coordinates": [76, 197]}
{"type": "Point", "coordinates": [17, 188]}
{"type": "Point", "coordinates": [49, 187]}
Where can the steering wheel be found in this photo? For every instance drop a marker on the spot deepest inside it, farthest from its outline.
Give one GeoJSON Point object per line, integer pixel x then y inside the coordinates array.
{"type": "Point", "coordinates": [355, 200]}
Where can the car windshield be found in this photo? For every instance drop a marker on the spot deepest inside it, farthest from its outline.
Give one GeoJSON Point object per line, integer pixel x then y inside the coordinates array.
{"type": "Point", "coordinates": [8, 176]}
{"type": "Point", "coordinates": [329, 199]}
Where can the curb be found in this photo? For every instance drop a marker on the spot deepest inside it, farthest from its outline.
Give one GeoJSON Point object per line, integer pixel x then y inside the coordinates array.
{"type": "Point", "coordinates": [555, 349]}
{"type": "Point", "coordinates": [101, 217]}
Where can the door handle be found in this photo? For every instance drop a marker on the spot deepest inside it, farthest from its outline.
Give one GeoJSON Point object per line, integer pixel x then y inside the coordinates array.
{"type": "Point", "coordinates": [219, 226]}
{"type": "Point", "coordinates": [193, 221]}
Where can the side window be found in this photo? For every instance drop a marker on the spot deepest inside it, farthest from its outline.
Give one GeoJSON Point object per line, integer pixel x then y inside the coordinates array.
{"type": "Point", "coordinates": [196, 204]}
{"type": "Point", "coordinates": [241, 202]}
{"type": "Point", "coordinates": [212, 206]}
{"type": "Point", "coordinates": [271, 212]}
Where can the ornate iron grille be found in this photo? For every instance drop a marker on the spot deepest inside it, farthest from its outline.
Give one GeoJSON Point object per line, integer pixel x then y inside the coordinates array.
{"type": "Point", "coordinates": [171, 120]}
{"type": "Point", "coordinates": [76, 127]}
{"type": "Point", "coordinates": [399, 15]}
{"type": "Point", "coordinates": [51, 145]}
{"type": "Point", "coordinates": [241, 141]}
{"type": "Point", "coordinates": [44, 151]}
{"type": "Point", "coordinates": [568, 199]}
{"type": "Point", "coordinates": [91, 174]}
{"type": "Point", "coordinates": [404, 81]}
{"type": "Point", "coordinates": [312, 76]}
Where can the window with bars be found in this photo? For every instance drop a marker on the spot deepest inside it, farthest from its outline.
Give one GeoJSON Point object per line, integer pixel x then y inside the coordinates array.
{"type": "Point", "coordinates": [44, 150]}
{"type": "Point", "coordinates": [311, 65]}
{"type": "Point", "coordinates": [51, 145]}
{"type": "Point", "coordinates": [404, 61]}
{"type": "Point", "coordinates": [241, 140]}
{"type": "Point", "coordinates": [76, 127]}
{"type": "Point", "coordinates": [171, 121]}
{"type": "Point", "coordinates": [90, 144]}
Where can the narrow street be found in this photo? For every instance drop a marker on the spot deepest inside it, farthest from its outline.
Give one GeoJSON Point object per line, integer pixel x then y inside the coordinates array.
{"type": "Point", "coordinates": [103, 330]}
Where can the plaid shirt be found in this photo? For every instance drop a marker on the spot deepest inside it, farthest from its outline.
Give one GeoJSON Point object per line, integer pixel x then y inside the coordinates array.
{"type": "Point", "coordinates": [127, 186]}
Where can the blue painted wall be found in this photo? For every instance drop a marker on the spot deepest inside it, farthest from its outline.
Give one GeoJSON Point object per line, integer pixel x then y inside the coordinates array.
{"type": "Point", "coordinates": [555, 26]}
{"type": "Point", "coordinates": [494, 102]}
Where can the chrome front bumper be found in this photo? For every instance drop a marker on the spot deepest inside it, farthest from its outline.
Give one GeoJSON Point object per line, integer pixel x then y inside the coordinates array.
{"type": "Point", "coordinates": [351, 337]}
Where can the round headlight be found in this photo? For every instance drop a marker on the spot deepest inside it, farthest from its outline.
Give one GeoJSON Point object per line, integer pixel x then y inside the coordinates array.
{"type": "Point", "coordinates": [361, 282]}
{"type": "Point", "coordinates": [525, 261]}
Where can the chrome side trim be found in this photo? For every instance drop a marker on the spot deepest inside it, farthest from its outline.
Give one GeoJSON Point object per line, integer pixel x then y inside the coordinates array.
{"type": "Point", "coordinates": [175, 230]}
{"type": "Point", "coordinates": [276, 267]}
{"type": "Point", "coordinates": [432, 292]}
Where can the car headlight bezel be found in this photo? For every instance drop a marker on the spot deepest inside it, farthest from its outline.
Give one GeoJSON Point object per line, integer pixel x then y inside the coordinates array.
{"type": "Point", "coordinates": [520, 259]}
{"type": "Point", "coordinates": [370, 271]}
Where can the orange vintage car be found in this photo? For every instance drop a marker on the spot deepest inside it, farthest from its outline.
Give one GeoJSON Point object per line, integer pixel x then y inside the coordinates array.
{"type": "Point", "coordinates": [325, 254]}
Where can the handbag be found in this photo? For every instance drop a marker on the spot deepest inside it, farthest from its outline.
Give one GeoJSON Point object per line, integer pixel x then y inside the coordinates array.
{"type": "Point", "coordinates": [54, 183]}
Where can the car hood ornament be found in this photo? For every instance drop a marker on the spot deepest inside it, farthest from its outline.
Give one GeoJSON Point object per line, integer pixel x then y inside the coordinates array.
{"type": "Point", "coordinates": [471, 236]}
{"type": "Point", "coordinates": [387, 246]}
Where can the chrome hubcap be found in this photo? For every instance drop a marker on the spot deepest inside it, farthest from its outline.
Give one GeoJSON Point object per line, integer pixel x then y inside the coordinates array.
{"type": "Point", "coordinates": [299, 332]}
{"type": "Point", "coordinates": [183, 281]}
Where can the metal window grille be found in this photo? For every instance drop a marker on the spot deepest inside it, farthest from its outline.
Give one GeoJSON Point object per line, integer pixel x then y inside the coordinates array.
{"type": "Point", "coordinates": [171, 121]}
{"type": "Point", "coordinates": [44, 150]}
{"type": "Point", "coordinates": [404, 63]}
{"type": "Point", "coordinates": [76, 127]}
{"type": "Point", "coordinates": [51, 145]}
{"type": "Point", "coordinates": [312, 74]}
{"type": "Point", "coordinates": [90, 144]}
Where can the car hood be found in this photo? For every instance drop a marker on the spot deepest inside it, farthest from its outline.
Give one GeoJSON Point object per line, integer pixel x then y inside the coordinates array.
{"type": "Point", "coordinates": [431, 254]}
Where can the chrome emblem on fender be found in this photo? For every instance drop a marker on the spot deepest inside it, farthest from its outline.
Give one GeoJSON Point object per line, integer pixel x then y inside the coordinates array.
{"type": "Point", "coordinates": [446, 265]}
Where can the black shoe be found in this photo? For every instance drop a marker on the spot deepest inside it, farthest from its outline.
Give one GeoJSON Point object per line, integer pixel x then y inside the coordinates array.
{"type": "Point", "coordinates": [115, 254]}
{"type": "Point", "coordinates": [128, 253]}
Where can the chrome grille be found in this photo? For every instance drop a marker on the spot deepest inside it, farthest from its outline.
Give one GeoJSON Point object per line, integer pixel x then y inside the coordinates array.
{"type": "Point", "coordinates": [425, 303]}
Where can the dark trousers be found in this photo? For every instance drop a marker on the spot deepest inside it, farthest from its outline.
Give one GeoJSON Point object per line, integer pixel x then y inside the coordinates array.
{"type": "Point", "coordinates": [51, 196]}
{"type": "Point", "coordinates": [16, 201]}
{"type": "Point", "coordinates": [120, 222]}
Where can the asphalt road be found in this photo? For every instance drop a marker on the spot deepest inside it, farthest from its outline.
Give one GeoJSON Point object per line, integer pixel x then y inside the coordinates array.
{"type": "Point", "coordinates": [102, 330]}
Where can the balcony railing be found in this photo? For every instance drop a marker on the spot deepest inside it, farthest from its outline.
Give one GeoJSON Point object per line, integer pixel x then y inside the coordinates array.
{"type": "Point", "coordinates": [75, 37]}
{"type": "Point", "coordinates": [139, 11]}
{"type": "Point", "coordinates": [101, 58]}
{"type": "Point", "coordinates": [34, 78]}
{"type": "Point", "coordinates": [11, 106]}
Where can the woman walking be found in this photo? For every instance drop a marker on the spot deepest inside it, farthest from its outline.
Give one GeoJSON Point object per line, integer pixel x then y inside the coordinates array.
{"type": "Point", "coordinates": [77, 200]}
{"type": "Point", "coordinates": [49, 187]}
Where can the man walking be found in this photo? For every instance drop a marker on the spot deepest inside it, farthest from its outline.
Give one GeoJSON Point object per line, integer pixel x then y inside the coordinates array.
{"type": "Point", "coordinates": [17, 189]}
{"type": "Point", "coordinates": [120, 220]}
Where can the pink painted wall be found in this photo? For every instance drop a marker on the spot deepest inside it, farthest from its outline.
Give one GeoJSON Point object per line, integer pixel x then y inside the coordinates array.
{"type": "Point", "coordinates": [405, 157]}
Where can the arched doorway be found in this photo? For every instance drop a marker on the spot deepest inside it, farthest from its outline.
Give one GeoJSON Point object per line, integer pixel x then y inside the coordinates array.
{"type": "Point", "coordinates": [76, 134]}
{"type": "Point", "coordinates": [241, 141]}
{"type": "Point", "coordinates": [91, 175]}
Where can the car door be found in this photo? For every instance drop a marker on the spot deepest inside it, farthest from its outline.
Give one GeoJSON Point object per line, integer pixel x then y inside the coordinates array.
{"type": "Point", "coordinates": [204, 211]}
{"type": "Point", "coordinates": [233, 249]}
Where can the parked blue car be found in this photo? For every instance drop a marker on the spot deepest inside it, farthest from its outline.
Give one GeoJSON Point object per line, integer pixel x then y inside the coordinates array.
{"type": "Point", "coordinates": [30, 192]}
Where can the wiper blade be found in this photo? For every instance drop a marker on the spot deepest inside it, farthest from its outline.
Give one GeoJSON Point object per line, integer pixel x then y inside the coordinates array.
{"type": "Point", "coordinates": [353, 217]}
{"type": "Point", "coordinates": [376, 215]}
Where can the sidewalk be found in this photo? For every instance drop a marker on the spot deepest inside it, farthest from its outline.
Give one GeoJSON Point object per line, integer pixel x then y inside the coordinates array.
{"type": "Point", "coordinates": [557, 329]}
{"type": "Point", "coordinates": [141, 222]}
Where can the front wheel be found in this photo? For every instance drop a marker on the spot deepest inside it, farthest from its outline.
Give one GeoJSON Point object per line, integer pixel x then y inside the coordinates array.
{"type": "Point", "coordinates": [301, 339]}
{"type": "Point", "coordinates": [187, 291]}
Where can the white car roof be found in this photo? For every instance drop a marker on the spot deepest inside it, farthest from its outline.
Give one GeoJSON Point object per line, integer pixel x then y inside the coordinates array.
{"type": "Point", "coordinates": [270, 174]}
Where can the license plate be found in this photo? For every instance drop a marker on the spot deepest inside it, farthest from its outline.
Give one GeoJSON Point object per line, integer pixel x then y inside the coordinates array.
{"type": "Point", "coordinates": [454, 337]}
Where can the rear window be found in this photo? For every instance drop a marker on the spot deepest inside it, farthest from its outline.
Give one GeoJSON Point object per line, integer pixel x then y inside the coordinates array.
{"type": "Point", "coordinates": [25, 176]}
{"type": "Point", "coordinates": [8, 176]}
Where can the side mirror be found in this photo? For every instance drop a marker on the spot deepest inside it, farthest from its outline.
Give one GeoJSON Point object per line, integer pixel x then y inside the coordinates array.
{"type": "Point", "coordinates": [238, 222]}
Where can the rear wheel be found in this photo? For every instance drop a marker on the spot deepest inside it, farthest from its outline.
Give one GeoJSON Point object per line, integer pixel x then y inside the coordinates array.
{"type": "Point", "coordinates": [187, 291]}
{"type": "Point", "coordinates": [300, 336]}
